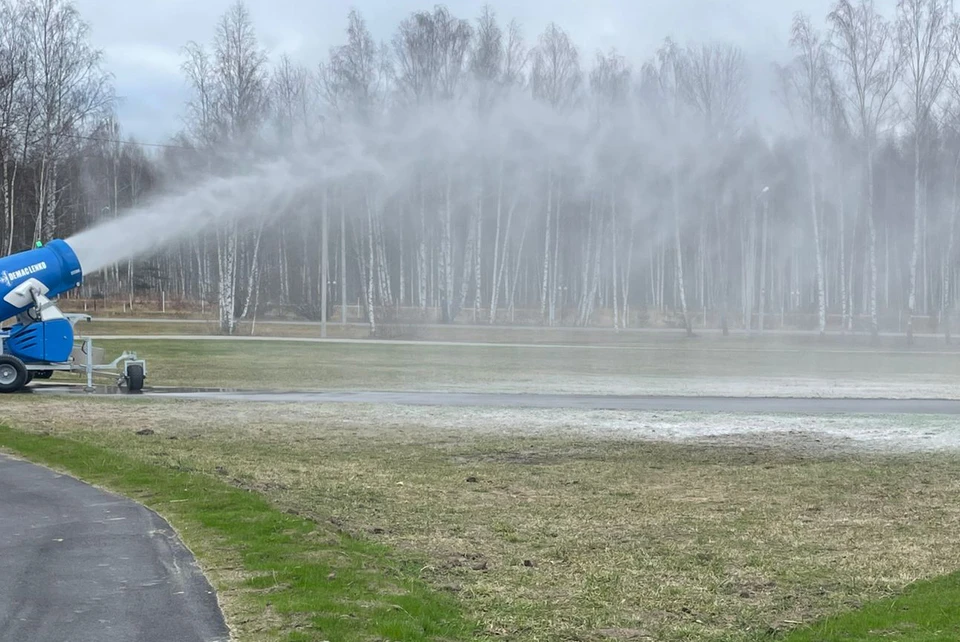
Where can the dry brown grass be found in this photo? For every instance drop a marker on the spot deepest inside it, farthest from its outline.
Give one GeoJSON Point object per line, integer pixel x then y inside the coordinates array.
{"type": "Point", "coordinates": [560, 537]}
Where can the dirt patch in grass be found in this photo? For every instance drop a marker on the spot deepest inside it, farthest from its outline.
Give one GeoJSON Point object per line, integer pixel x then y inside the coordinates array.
{"type": "Point", "coordinates": [567, 532]}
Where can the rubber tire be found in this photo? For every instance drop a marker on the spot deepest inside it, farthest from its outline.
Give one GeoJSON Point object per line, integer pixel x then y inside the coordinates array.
{"type": "Point", "coordinates": [134, 378]}
{"type": "Point", "coordinates": [43, 374]}
{"type": "Point", "coordinates": [30, 377]}
{"type": "Point", "coordinates": [22, 376]}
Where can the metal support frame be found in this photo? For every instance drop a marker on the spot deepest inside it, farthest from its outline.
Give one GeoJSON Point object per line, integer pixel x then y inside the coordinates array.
{"type": "Point", "coordinates": [90, 368]}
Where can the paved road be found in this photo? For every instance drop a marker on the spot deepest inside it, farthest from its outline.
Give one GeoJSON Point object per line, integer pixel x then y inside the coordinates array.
{"type": "Point", "coordinates": [757, 405]}
{"type": "Point", "coordinates": [81, 565]}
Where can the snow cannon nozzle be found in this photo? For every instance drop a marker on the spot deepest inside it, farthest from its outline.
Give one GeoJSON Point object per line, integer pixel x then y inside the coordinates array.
{"type": "Point", "coordinates": [48, 270]}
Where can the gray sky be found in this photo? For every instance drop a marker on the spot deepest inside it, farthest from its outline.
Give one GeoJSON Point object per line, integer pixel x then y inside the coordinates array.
{"type": "Point", "coordinates": [142, 40]}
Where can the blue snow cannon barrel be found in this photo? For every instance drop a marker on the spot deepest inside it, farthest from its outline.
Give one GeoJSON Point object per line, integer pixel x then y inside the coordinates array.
{"type": "Point", "coordinates": [53, 269]}
{"type": "Point", "coordinates": [50, 270]}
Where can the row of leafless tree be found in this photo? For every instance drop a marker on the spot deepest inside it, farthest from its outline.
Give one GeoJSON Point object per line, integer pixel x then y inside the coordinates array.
{"type": "Point", "coordinates": [52, 90]}
{"type": "Point", "coordinates": [511, 182]}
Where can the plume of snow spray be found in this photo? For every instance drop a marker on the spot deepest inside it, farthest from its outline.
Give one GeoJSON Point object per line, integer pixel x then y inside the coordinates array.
{"type": "Point", "coordinates": [266, 190]}
{"type": "Point", "coordinates": [389, 156]}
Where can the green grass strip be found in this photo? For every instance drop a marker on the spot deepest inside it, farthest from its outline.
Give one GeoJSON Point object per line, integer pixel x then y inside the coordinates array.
{"type": "Point", "coordinates": [324, 585]}
{"type": "Point", "coordinates": [927, 610]}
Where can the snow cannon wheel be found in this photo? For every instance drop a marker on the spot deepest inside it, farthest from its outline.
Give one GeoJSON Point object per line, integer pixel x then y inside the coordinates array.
{"type": "Point", "coordinates": [43, 374]}
{"type": "Point", "coordinates": [134, 378]}
{"type": "Point", "coordinates": [13, 374]}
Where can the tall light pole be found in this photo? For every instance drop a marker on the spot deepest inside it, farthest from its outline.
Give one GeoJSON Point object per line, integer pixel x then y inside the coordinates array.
{"type": "Point", "coordinates": [763, 255]}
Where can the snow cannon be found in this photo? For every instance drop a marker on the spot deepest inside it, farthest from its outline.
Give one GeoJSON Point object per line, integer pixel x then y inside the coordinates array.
{"type": "Point", "coordinates": [28, 279]}
{"type": "Point", "coordinates": [42, 337]}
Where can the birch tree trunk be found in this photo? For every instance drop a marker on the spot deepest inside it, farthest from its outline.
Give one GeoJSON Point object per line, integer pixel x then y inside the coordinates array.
{"type": "Point", "coordinates": [324, 260]}
{"type": "Point", "coordinates": [9, 196]}
{"type": "Point", "coordinates": [370, 268]}
{"type": "Point", "coordinates": [946, 301]}
{"type": "Point", "coordinates": [201, 271]}
{"type": "Point", "coordinates": [545, 291]}
{"type": "Point", "coordinates": [763, 264]}
{"type": "Point", "coordinates": [586, 280]}
{"type": "Point", "coordinates": [516, 274]}
{"type": "Point", "coordinates": [595, 281]}
{"type": "Point", "coordinates": [52, 197]}
{"type": "Point", "coordinates": [284, 270]}
{"type": "Point", "coordinates": [676, 229]}
{"type": "Point", "coordinates": [468, 252]}
{"type": "Point", "coordinates": [818, 248]}
{"type": "Point", "coordinates": [383, 274]}
{"type": "Point", "coordinates": [749, 246]}
{"type": "Point", "coordinates": [555, 279]}
{"type": "Point", "coordinates": [841, 223]}
{"type": "Point", "coordinates": [422, 270]}
{"type": "Point", "coordinates": [400, 271]}
{"type": "Point", "coordinates": [613, 275]}
{"type": "Point", "coordinates": [478, 256]}
{"type": "Point", "coordinates": [724, 276]}
{"type": "Point", "coordinates": [497, 268]}
{"type": "Point", "coordinates": [871, 226]}
{"type": "Point", "coordinates": [626, 277]}
{"type": "Point", "coordinates": [447, 254]}
{"type": "Point", "coordinates": [343, 260]}
{"type": "Point", "coordinates": [254, 278]}
{"type": "Point", "coordinates": [914, 258]}
{"type": "Point", "coordinates": [227, 259]}
{"type": "Point", "coordinates": [42, 181]}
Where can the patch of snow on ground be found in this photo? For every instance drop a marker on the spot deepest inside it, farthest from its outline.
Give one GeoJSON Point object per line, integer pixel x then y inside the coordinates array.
{"type": "Point", "coordinates": [914, 387]}
{"type": "Point", "coordinates": [880, 433]}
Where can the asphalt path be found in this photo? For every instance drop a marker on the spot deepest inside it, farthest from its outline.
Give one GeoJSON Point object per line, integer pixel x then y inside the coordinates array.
{"type": "Point", "coordinates": [639, 403]}
{"type": "Point", "coordinates": [78, 564]}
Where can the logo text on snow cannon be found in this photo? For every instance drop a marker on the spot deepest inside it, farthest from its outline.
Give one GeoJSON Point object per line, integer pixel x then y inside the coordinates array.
{"type": "Point", "coordinates": [8, 277]}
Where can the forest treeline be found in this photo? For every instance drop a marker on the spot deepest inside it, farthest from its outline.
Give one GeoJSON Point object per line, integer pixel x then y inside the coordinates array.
{"type": "Point", "coordinates": [507, 181]}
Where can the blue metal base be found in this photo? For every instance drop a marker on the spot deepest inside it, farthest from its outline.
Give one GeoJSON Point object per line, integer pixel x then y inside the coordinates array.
{"type": "Point", "coordinates": [41, 342]}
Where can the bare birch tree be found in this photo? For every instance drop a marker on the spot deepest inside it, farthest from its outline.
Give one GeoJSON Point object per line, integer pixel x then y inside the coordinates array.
{"type": "Point", "coordinates": [864, 50]}
{"type": "Point", "coordinates": [714, 85]}
{"type": "Point", "coordinates": [16, 108]}
{"type": "Point", "coordinates": [555, 78]}
{"type": "Point", "coordinates": [69, 88]}
{"type": "Point", "coordinates": [669, 74]}
{"type": "Point", "coordinates": [240, 86]}
{"type": "Point", "coordinates": [806, 86]}
{"type": "Point", "coordinates": [925, 42]}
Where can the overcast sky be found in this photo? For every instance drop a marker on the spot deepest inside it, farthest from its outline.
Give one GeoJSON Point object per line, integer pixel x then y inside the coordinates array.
{"type": "Point", "coordinates": [142, 40]}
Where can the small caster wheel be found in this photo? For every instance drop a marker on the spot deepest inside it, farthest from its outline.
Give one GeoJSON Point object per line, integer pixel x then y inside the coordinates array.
{"type": "Point", "coordinates": [134, 378]}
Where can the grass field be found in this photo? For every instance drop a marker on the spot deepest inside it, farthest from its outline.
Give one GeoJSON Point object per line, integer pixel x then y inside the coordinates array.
{"type": "Point", "coordinates": [543, 530]}
{"type": "Point", "coordinates": [655, 365]}
{"type": "Point", "coordinates": [509, 334]}
{"type": "Point", "coordinates": [555, 525]}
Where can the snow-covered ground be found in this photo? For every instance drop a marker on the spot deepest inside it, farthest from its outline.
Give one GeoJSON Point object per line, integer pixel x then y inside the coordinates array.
{"type": "Point", "coordinates": [889, 434]}
{"type": "Point", "coordinates": [879, 433]}
{"type": "Point", "coordinates": [816, 435]}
